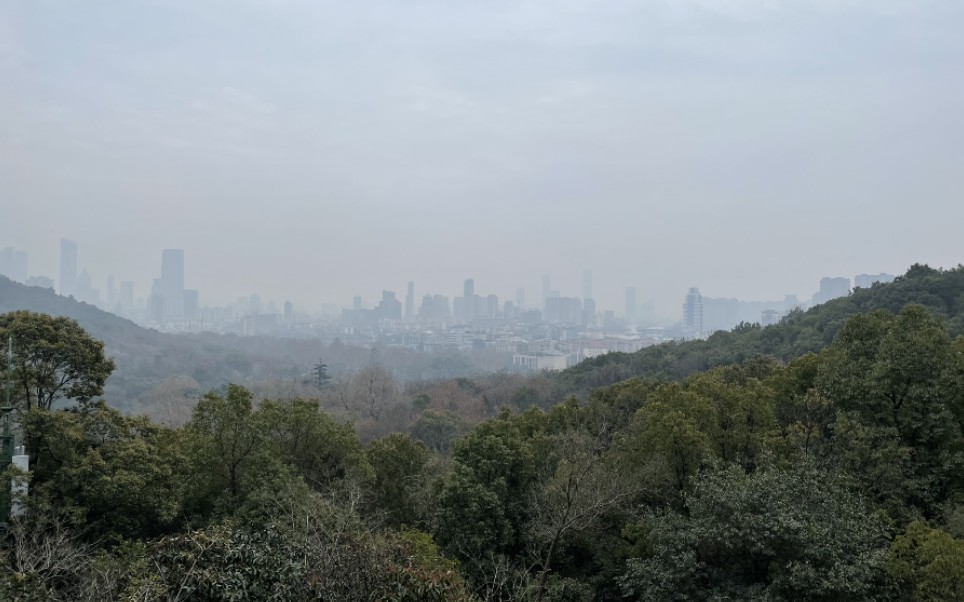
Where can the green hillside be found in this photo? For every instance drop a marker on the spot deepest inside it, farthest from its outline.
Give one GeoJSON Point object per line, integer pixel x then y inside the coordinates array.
{"type": "Point", "coordinates": [940, 291]}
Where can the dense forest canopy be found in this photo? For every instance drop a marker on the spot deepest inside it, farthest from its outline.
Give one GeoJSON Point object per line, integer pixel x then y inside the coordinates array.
{"type": "Point", "coordinates": [823, 461]}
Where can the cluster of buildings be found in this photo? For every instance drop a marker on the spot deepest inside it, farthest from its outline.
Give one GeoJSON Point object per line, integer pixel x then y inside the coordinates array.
{"type": "Point", "coordinates": [554, 333]}
{"type": "Point", "coordinates": [702, 316]}
{"type": "Point", "coordinates": [557, 333]}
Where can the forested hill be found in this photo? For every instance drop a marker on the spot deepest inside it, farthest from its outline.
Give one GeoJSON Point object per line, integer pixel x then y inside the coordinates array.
{"type": "Point", "coordinates": [100, 324]}
{"type": "Point", "coordinates": [940, 291]}
{"type": "Point", "coordinates": [161, 373]}
{"type": "Point", "coordinates": [148, 360]}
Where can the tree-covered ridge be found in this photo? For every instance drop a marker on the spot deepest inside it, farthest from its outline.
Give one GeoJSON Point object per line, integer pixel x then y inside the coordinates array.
{"type": "Point", "coordinates": [163, 374]}
{"type": "Point", "coordinates": [940, 291]}
{"type": "Point", "coordinates": [837, 475]}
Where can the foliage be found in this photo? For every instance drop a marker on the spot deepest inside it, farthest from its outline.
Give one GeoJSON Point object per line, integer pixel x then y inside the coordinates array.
{"type": "Point", "coordinates": [836, 475]}
{"type": "Point", "coordinates": [53, 358]}
{"type": "Point", "coordinates": [928, 563]}
{"type": "Point", "coordinates": [398, 465]}
{"type": "Point", "coordinates": [117, 476]}
{"type": "Point", "coordinates": [225, 443]}
{"type": "Point", "coordinates": [297, 433]}
{"type": "Point", "coordinates": [321, 376]}
{"type": "Point", "coordinates": [771, 535]}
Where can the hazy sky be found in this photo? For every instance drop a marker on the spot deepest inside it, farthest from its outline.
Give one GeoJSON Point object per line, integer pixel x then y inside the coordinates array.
{"type": "Point", "coordinates": [313, 149]}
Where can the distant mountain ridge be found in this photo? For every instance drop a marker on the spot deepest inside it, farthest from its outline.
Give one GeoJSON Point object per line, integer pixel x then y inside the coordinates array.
{"type": "Point", "coordinates": [158, 369]}
{"type": "Point", "coordinates": [940, 291]}
{"type": "Point", "coordinates": [145, 358]}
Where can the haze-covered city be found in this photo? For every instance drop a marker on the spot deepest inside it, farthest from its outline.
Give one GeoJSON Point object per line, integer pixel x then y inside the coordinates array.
{"type": "Point", "coordinates": [493, 301]}
{"type": "Point", "coordinates": [551, 331]}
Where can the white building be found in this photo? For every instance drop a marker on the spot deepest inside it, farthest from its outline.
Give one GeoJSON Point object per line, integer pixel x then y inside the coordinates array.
{"type": "Point", "coordinates": [539, 361]}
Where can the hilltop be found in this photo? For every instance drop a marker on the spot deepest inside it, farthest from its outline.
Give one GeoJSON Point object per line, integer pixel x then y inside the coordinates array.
{"type": "Point", "coordinates": [940, 291]}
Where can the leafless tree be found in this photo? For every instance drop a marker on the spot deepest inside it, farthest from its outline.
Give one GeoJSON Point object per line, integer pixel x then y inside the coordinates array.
{"type": "Point", "coordinates": [580, 484]}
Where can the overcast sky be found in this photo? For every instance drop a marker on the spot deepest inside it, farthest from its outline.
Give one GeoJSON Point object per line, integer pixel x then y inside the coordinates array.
{"type": "Point", "coordinates": [312, 149]}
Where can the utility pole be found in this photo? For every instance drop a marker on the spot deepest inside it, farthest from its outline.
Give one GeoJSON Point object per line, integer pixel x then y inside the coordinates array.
{"type": "Point", "coordinates": [11, 494]}
{"type": "Point", "coordinates": [6, 439]}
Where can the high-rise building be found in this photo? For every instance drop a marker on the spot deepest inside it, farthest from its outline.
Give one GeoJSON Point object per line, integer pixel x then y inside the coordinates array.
{"type": "Point", "coordinates": [831, 288]}
{"type": "Point", "coordinates": [693, 315]}
{"type": "Point", "coordinates": [630, 309]}
{"type": "Point", "coordinates": [85, 290]}
{"type": "Point", "coordinates": [771, 317]}
{"type": "Point", "coordinates": [564, 310]}
{"type": "Point", "coordinates": [546, 289]}
{"type": "Point", "coordinates": [434, 307]}
{"type": "Point", "coordinates": [492, 305]}
{"type": "Point", "coordinates": [588, 311]}
{"type": "Point", "coordinates": [587, 284]}
{"type": "Point", "coordinates": [191, 304]}
{"type": "Point", "coordinates": [389, 308]}
{"type": "Point", "coordinates": [172, 282]}
{"type": "Point", "coordinates": [410, 303]}
{"type": "Point", "coordinates": [520, 298]}
{"type": "Point", "coordinates": [468, 300]}
{"type": "Point", "coordinates": [68, 267]}
{"type": "Point", "coordinates": [111, 292]}
{"type": "Point", "coordinates": [13, 264]}
{"type": "Point", "coordinates": [126, 297]}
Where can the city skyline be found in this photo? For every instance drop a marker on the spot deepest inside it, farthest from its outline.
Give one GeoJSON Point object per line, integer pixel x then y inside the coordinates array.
{"type": "Point", "coordinates": [139, 289]}
{"type": "Point", "coordinates": [664, 145]}
{"type": "Point", "coordinates": [170, 302]}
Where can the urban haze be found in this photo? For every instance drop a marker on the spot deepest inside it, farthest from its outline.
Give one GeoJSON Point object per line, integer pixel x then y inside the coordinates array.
{"type": "Point", "coordinates": [314, 151]}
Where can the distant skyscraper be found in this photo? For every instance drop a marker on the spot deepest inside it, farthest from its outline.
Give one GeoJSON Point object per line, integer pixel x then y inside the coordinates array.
{"type": "Point", "coordinates": [520, 298]}
{"type": "Point", "coordinates": [693, 315]}
{"type": "Point", "coordinates": [126, 297]}
{"type": "Point", "coordinates": [13, 264]}
{"type": "Point", "coordinates": [588, 312]}
{"type": "Point", "coordinates": [831, 288]}
{"type": "Point", "coordinates": [434, 307]}
{"type": "Point", "coordinates": [410, 303]}
{"type": "Point", "coordinates": [389, 308]}
{"type": "Point", "coordinates": [85, 290]}
{"type": "Point", "coordinates": [172, 282]}
{"type": "Point", "coordinates": [492, 305]}
{"type": "Point", "coordinates": [564, 310]}
{"type": "Point", "coordinates": [356, 303]}
{"type": "Point", "coordinates": [468, 299]}
{"type": "Point", "coordinates": [190, 304]}
{"type": "Point", "coordinates": [546, 289]}
{"type": "Point", "coordinates": [111, 293]}
{"type": "Point", "coordinates": [587, 284]}
{"type": "Point", "coordinates": [68, 267]}
{"type": "Point", "coordinates": [289, 311]}
{"type": "Point", "coordinates": [630, 309]}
